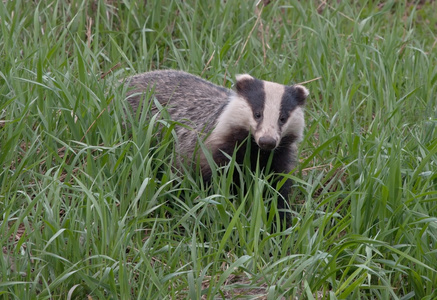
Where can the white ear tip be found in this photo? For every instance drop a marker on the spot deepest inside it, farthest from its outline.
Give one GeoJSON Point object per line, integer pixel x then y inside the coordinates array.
{"type": "Point", "coordinates": [304, 91]}
{"type": "Point", "coordinates": [240, 77]}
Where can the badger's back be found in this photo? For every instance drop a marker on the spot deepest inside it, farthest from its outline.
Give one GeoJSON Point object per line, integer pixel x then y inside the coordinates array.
{"type": "Point", "coordinates": [188, 99]}
{"type": "Point", "coordinates": [186, 96]}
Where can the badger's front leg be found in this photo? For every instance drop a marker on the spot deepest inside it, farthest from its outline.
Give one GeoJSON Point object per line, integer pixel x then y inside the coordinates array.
{"type": "Point", "coordinates": [283, 163]}
{"type": "Point", "coordinates": [283, 201]}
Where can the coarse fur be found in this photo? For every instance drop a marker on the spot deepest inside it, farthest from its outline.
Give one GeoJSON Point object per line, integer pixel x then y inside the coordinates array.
{"type": "Point", "coordinates": [271, 113]}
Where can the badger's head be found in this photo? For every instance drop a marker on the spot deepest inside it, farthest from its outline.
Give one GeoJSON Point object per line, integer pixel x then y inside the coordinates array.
{"type": "Point", "coordinates": [270, 111]}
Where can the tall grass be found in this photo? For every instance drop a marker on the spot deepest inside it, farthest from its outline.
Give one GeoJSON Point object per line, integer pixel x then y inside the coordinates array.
{"type": "Point", "coordinates": [92, 207]}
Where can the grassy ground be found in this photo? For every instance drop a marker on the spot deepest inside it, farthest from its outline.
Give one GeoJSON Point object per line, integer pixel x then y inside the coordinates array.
{"type": "Point", "coordinates": [91, 209]}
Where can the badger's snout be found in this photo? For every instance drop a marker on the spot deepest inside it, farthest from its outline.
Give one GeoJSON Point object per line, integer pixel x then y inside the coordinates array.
{"type": "Point", "coordinates": [267, 143]}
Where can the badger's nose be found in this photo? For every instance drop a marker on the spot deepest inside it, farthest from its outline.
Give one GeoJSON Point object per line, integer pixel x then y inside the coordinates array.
{"type": "Point", "coordinates": [267, 143]}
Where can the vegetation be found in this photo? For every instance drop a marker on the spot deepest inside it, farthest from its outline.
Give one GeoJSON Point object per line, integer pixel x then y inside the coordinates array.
{"type": "Point", "coordinates": [91, 208]}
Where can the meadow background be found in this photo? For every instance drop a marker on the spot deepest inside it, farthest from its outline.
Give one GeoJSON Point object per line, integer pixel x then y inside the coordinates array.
{"type": "Point", "coordinates": [90, 208]}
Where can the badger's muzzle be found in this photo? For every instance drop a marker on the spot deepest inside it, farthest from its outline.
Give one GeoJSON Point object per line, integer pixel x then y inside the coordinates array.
{"type": "Point", "coordinates": [267, 143]}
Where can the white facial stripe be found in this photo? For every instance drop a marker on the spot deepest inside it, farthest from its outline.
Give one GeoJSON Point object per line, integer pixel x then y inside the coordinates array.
{"type": "Point", "coordinates": [269, 126]}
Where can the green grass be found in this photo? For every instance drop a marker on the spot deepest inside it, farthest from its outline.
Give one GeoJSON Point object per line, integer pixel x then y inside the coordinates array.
{"type": "Point", "coordinates": [92, 208]}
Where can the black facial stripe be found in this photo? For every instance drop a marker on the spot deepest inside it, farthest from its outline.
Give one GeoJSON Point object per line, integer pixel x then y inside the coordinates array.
{"type": "Point", "coordinates": [253, 91]}
{"type": "Point", "coordinates": [289, 102]}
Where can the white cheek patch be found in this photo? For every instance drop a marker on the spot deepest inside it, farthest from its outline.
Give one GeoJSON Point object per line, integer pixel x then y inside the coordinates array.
{"type": "Point", "coordinates": [237, 114]}
{"type": "Point", "coordinates": [295, 124]}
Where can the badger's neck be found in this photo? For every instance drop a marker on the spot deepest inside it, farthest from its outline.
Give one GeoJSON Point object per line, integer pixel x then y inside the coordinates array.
{"type": "Point", "coordinates": [235, 118]}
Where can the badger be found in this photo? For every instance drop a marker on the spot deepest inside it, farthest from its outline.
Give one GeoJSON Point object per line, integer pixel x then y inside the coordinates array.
{"type": "Point", "coordinates": [267, 117]}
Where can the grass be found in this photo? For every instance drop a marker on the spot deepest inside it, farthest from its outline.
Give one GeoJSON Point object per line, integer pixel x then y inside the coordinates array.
{"type": "Point", "coordinates": [90, 208]}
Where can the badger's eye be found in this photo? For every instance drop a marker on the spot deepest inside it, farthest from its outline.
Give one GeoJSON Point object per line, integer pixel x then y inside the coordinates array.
{"type": "Point", "coordinates": [257, 115]}
{"type": "Point", "coordinates": [282, 119]}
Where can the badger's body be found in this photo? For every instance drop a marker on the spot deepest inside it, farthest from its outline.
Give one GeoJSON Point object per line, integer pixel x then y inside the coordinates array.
{"type": "Point", "coordinates": [272, 113]}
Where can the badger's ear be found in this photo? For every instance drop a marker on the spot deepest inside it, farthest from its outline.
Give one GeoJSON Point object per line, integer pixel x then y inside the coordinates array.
{"type": "Point", "coordinates": [241, 77]}
{"type": "Point", "coordinates": [243, 82]}
{"type": "Point", "coordinates": [300, 93]}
